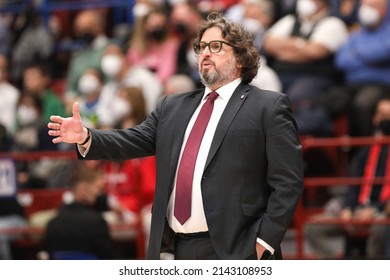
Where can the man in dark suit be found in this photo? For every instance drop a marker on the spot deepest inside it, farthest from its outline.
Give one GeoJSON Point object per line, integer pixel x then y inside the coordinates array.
{"type": "Point", "coordinates": [79, 231]}
{"type": "Point", "coordinates": [247, 177]}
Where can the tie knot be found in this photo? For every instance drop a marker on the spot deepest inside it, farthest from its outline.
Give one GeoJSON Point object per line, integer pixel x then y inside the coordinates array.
{"type": "Point", "coordinates": [212, 96]}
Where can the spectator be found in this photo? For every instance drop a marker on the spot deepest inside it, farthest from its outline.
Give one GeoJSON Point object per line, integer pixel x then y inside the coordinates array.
{"type": "Point", "coordinates": [89, 30]}
{"type": "Point", "coordinates": [11, 213]}
{"type": "Point", "coordinates": [208, 6]}
{"type": "Point", "coordinates": [5, 35]}
{"type": "Point", "coordinates": [121, 73]}
{"type": "Point", "coordinates": [257, 18]}
{"type": "Point", "coordinates": [179, 83]}
{"type": "Point", "coordinates": [11, 216]}
{"type": "Point", "coordinates": [284, 7]}
{"type": "Point", "coordinates": [31, 135]}
{"type": "Point", "coordinates": [185, 19]}
{"type": "Point", "coordinates": [78, 227]}
{"type": "Point", "coordinates": [359, 203]}
{"type": "Point", "coordinates": [5, 139]}
{"type": "Point", "coordinates": [346, 10]}
{"type": "Point", "coordinates": [31, 130]}
{"type": "Point", "coordinates": [236, 11]}
{"type": "Point", "coordinates": [365, 60]}
{"type": "Point", "coordinates": [32, 43]}
{"type": "Point", "coordinates": [36, 81]}
{"type": "Point", "coordinates": [130, 183]}
{"type": "Point", "coordinates": [9, 98]}
{"type": "Point", "coordinates": [302, 47]}
{"type": "Point", "coordinates": [90, 85]}
{"type": "Point", "coordinates": [152, 45]}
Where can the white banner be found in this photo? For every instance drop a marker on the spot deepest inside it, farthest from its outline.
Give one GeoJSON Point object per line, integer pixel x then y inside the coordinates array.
{"type": "Point", "coordinates": [7, 178]}
{"type": "Point", "coordinates": [226, 270]}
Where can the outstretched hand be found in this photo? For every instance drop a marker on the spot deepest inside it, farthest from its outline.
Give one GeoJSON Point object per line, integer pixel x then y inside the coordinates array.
{"type": "Point", "coordinates": [68, 130]}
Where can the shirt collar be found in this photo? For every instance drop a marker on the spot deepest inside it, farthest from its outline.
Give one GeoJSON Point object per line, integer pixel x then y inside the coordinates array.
{"type": "Point", "coordinates": [226, 91]}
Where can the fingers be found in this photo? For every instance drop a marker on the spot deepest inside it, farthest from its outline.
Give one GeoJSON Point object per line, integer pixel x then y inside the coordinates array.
{"type": "Point", "coordinates": [54, 132]}
{"type": "Point", "coordinates": [56, 119]}
{"type": "Point", "coordinates": [57, 140]}
{"type": "Point", "coordinates": [76, 111]}
{"type": "Point", "coordinates": [55, 126]}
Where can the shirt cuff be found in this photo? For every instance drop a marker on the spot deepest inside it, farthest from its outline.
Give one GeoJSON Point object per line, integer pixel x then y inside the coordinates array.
{"type": "Point", "coordinates": [84, 151]}
{"type": "Point", "coordinates": [265, 245]}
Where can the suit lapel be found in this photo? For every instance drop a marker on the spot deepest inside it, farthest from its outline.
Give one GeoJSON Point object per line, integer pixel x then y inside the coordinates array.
{"type": "Point", "coordinates": [232, 108]}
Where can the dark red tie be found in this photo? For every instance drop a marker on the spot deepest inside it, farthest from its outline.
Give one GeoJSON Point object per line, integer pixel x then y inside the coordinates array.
{"type": "Point", "coordinates": [185, 173]}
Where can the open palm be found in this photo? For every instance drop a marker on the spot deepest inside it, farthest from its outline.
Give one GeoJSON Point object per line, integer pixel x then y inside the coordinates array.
{"type": "Point", "coordinates": [68, 130]}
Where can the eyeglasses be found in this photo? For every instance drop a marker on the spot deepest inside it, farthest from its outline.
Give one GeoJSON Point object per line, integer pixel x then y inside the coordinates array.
{"type": "Point", "coordinates": [215, 46]}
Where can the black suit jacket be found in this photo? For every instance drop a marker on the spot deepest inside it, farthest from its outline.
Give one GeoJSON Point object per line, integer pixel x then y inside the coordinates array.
{"type": "Point", "coordinates": [253, 176]}
{"type": "Point", "coordinates": [78, 227]}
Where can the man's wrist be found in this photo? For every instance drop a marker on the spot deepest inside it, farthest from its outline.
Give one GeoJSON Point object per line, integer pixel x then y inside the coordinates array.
{"type": "Point", "coordinates": [87, 136]}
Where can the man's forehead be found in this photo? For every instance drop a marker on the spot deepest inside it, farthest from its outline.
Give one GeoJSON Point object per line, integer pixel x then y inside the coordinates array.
{"type": "Point", "coordinates": [213, 33]}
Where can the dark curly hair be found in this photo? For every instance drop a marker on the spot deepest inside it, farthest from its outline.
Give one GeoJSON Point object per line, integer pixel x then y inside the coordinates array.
{"type": "Point", "coordinates": [240, 39]}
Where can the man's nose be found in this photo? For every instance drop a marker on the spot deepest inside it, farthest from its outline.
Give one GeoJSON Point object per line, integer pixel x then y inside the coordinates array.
{"type": "Point", "coordinates": [206, 51]}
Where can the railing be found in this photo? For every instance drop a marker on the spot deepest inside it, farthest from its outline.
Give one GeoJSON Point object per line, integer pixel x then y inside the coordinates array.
{"type": "Point", "coordinates": [302, 215]}
{"type": "Point", "coordinates": [50, 197]}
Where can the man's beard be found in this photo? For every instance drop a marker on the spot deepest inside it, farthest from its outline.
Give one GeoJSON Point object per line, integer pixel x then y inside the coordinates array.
{"type": "Point", "coordinates": [215, 78]}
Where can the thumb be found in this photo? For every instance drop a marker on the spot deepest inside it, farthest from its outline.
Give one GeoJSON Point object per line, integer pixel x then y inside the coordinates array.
{"type": "Point", "coordinates": [76, 111]}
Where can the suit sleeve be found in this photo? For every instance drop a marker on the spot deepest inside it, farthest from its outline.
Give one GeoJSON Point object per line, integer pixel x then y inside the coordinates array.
{"type": "Point", "coordinates": [123, 144]}
{"type": "Point", "coordinates": [284, 172]}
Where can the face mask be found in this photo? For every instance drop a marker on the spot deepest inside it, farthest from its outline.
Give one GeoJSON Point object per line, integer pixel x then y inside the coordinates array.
{"type": "Point", "coordinates": [111, 65]}
{"type": "Point", "coordinates": [88, 84]}
{"type": "Point", "coordinates": [253, 26]}
{"type": "Point", "coordinates": [140, 10]}
{"type": "Point", "coordinates": [306, 8]}
{"type": "Point", "coordinates": [384, 126]}
{"type": "Point", "coordinates": [87, 38]}
{"type": "Point", "coordinates": [121, 107]}
{"type": "Point", "coordinates": [157, 34]}
{"type": "Point", "coordinates": [181, 28]}
{"type": "Point", "coordinates": [368, 16]}
{"type": "Point", "coordinates": [26, 115]}
{"type": "Point", "coordinates": [192, 59]}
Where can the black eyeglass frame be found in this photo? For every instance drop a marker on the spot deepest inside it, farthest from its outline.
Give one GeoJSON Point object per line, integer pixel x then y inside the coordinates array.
{"type": "Point", "coordinates": [197, 50]}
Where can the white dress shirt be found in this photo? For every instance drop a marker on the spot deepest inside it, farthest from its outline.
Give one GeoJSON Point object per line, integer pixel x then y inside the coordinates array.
{"type": "Point", "coordinates": [197, 221]}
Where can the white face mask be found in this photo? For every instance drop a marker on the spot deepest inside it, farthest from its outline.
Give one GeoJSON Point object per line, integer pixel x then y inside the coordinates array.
{"type": "Point", "coordinates": [140, 10]}
{"type": "Point", "coordinates": [306, 8]}
{"type": "Point", "coordinates": [368, 16]}
{"type": "Point", "coordinates": [111, 65]}
{"type": "Point", "coordinates": [120, 107]}
{"type": "Point", "coordinates": [88, 84]}
{"type": "Point", "coordinates": [26, 115]}
{"type": "Point", "coordinates": [192, 59]}
{"type": "Point", "coordinates": [253, 26]}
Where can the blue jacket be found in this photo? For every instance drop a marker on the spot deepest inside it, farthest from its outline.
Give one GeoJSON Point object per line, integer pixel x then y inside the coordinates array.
{"type": "Point", "coordinates": [365, 58]}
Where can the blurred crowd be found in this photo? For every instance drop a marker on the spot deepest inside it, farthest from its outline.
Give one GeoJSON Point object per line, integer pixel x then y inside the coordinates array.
{"type": "Point", "coordinates": [331, 57]}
